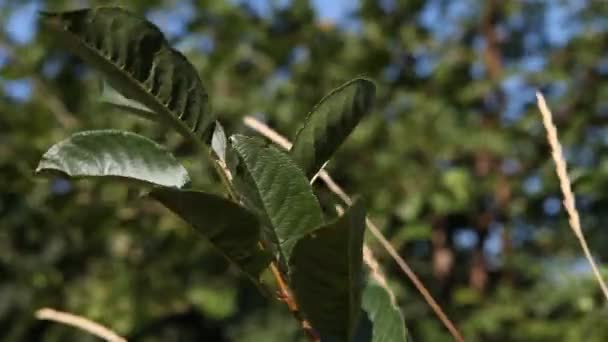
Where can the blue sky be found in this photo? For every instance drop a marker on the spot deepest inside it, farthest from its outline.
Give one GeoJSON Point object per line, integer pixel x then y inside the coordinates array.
{"type": "Point", "coordinates": [21, 28]}
{"type": "Point", "coordinates": [326, 9]}
{"type": "Point", "coordinates": [20, 25]}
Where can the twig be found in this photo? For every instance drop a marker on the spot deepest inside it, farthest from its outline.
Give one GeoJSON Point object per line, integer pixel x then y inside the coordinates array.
{"type": "Point", "coordinates": [285, 293]}
{"type": "Point", "coordinates": [266, 131]}
{"type": "Point", "coordinates": [564, 182]}
{"type": "Point", "coordinates": [335, 188]}
{"type": "Point", "coordinates": [80, 323]}
{"type": "Point", "coordinates": [292, 305]}
{"type": "Point", "coordinates": [374, 266]}
{"type": "Point", "coordinates": [415, 280]}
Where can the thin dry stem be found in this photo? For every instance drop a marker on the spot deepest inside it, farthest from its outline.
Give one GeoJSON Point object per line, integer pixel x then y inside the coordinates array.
{"type": "Point", "coordinates": [80, 323]}
{"type": "Point", "coordinates": [376, 272]}
{"type": "Point", "coordinates": [292, 305]}
{"type": "Point", "coordinates": [564, 182]}
{"type": "Point", "coordinates": [266, 131]}
{"type": "Point", "coordinates": [370, 262]}
{"type": "Point", "coordinates": [285, 293]}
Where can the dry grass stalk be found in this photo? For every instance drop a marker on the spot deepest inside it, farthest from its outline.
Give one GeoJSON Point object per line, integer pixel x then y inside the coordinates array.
{"type": "Point", "coordinates": [369, 258]}
{"type": "Point", "coordinates": [564, 182]}
{"type": "Point", "coordinates": [79, 322]}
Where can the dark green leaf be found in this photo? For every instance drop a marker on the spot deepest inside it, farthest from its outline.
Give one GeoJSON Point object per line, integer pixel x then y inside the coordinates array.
{"type": "Point", "coordinates": [330, 123]}
{"type": "Point", "coordinates": [326, 275]}
{"type": "Point", "coordinates": [138, 62]}
{"type": "Point", "coordinates": [382, 320]}
{"type": "Point", "coordinates": [233, 230]}
{"type": "Point", "coordinates": [274, 186]}
{"type": "Point", "coordinates": [112, 153]}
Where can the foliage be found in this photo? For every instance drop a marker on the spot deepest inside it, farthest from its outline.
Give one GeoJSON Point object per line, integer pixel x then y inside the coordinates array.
{"type": "Point", "coordinates": [109, 153]}
{"type": "Point", "coordinates": [453, 166]}
{"type": "Point", "coordinates": [134, 57]}
{"type": "Point", "coordinates": [325, 273]}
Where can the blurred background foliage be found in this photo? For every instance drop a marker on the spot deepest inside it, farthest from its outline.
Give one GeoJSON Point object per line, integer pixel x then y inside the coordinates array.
{"type": "Point", "coordinates": [453, 165]}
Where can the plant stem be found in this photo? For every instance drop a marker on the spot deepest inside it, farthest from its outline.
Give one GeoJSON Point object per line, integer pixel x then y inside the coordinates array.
{"type": "Point", "coordinates": [566, 188]}
{"type": "Point", "coordinates": [284, 291]}
{"type": "Point", "coordinates": [82, 323]}
{"type": "Point", "coordinates": [222, 170]}
{"type": "Point", "coordinates": [287, 297]}
{"type": "Point", "coordinates": [335, 188]}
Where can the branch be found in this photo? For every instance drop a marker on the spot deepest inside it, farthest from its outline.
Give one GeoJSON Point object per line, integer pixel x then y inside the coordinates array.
{"type": "Point", "coordinates": [292, 305]}
{"type": "Point", "coordinates": [268, 132]}
{"type": "Point", "coordinates": [79, 322]}
{"type": "Point", "coordinates": [566, 187]}
{"type": "Point", "coordinates": [491, 53]}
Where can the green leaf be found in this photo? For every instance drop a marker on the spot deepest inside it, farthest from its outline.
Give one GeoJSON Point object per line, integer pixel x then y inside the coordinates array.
{"type": "Point", "coordinates": [138, 62]}
{"type": "Point", "coordinates": [274, 186]}
{"type": "Point", "coordinates": [219, 142]}
{"type": "Point", "coordinates": [326, 275]}
{"type": "Point", "coordinates": [112, 98]}
{"type": "Point", "coordinates": [382, 320]}
{"type": "Point", "coordinates": [232, 229]}
{"type": "Point", "coordinates": [330, 122]}
{"type": "Point", "coordinates": [113, 153]}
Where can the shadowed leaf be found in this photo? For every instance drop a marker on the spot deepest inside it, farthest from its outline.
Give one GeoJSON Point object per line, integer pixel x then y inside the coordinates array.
{"type": "Point", "coordinates": [136, 59]}
{"type": "Point", "coordinates": [233, 230]}
{"type": "Point", "coordinates": [326, 275]}
{"type": "Point", "coordinates": [330, 123]}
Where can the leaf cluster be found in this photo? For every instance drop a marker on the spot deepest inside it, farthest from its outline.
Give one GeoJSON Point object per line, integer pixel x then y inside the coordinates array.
{"type": "Point", "coordinates": [270, 216]}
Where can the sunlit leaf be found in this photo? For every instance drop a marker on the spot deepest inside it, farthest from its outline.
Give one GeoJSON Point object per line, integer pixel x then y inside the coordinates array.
{"type": "Point", "coordinates": [274, 186]}
{"type": "Point", "coordinates": [382, 320]}
{"type": "Point", "coordinates": [113, 153]}
{"type": "Point", "coordinates": [219, 142]}
{"type": "Point", "coordinates": [112, 98]}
